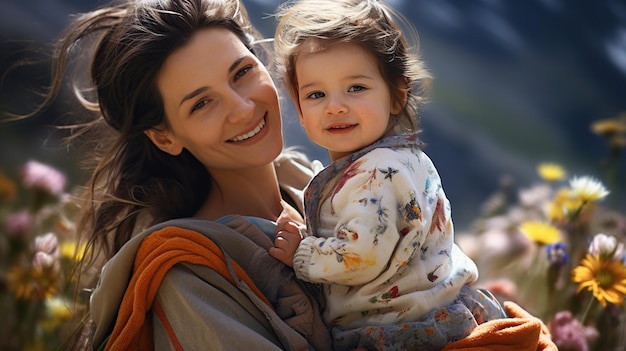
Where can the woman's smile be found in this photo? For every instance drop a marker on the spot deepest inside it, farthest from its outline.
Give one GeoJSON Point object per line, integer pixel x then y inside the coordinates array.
{"type": "Point", "coordinates": [250, 134]}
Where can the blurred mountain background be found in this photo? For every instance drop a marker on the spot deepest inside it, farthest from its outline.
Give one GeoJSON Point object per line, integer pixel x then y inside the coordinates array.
{"type": "Point", "coordinates": [517, 83]}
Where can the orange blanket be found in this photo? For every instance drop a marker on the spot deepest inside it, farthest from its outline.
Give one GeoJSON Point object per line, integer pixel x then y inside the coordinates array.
{"type": "Point", "coordinates": [157, 253]}
{"type": "Point", "coordinates": [521, 332]}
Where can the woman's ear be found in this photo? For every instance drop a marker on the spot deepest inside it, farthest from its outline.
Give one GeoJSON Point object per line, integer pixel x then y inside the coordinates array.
{"type": "Point", "coordinates": [161, 137]}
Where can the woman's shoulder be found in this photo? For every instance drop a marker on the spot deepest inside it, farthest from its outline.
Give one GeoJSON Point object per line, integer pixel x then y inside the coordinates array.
{"type": "Point", "coordinates": [292, 158]}
{"type": "Point", "coordinates": [294, 171]}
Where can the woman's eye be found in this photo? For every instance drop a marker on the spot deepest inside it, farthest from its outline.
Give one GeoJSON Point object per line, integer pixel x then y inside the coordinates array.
{"type": "Point", "coordinates": [356, 88]}
{"type": "Point", "coordinates": [242, 72]}
{"type": "Point", "coordinates": [315, 95]}
{"type": "Point", "coordinates": [199, 105]}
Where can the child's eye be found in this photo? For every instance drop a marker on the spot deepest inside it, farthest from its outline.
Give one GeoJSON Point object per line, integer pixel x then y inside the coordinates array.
{"type": "Point", "coordinates": [242, 72]}
{"type": "Point", "coordinates": [356, 88]}
{"type": "Point", "coordinates": [315, 95]}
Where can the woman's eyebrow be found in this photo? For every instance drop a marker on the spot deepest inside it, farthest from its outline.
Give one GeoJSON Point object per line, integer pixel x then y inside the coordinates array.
{"type": "Point", "coordinates": [193, 94]}
{"type": "Point", "coordinates": [205, 88]}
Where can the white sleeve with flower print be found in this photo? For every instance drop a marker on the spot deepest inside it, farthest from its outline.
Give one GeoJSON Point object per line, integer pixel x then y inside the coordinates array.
{"type": "Point", "coordinates": [389, 206]}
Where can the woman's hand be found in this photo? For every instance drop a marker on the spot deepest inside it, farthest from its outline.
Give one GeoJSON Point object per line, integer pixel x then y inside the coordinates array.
{"type": "Point", "coordinates": [288, 235]}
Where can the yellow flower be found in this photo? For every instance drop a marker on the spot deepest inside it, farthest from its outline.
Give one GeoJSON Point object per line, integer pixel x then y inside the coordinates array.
{"type": "Point", "coordinates": [541, 233]}
{"type": "Point", "coordinates": [551, 172]}
{"type": "Point", "coordinates": [606, 278]}
{"type": "Point", "coordinates": [71, 250]}
{"type": "Point", "coordinates": [587, 189]}
{"type": "Point", "coordinates": [57, 311]}
{"type": "Point", "coordinates": [563, 206]}
{"type": "Point", "coordinates": [29, 283]}
{"type": "Point", "coordinates": [613, 129]}
{"type": "Point", "coordinates": [610, 126]}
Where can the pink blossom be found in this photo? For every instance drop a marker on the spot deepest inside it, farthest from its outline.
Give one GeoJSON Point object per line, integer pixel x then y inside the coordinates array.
{"type": "Point", "coordinates": [569, 334]}
{"type": "Point", "coordinates": [19, 224]}
{"type": "Point", "coordinates": [43, 177]}
{"type": "Point", "coordinates": [48, 244]}
{"type": "Point", "coordinates": [43, 260]}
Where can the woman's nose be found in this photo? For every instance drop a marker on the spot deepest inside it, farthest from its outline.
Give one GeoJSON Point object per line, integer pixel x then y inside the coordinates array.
{"type": "Point", "coordinates": [241, 106]}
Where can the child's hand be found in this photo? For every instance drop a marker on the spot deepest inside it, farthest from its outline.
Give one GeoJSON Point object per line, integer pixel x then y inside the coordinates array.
{"type": "Point", "coordinates": [286, 244]}
{"type": "Point", "coordinates": [288, 235]}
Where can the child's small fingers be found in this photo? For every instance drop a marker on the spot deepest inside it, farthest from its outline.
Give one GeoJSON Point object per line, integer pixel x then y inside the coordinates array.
{"type": "Point", "coordinates": [280, 241]}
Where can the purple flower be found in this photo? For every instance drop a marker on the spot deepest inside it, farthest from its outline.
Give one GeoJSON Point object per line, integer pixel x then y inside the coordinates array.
{"type": "Point", "coordinates": [42, 177]}
{"type": "Point", "coordinates": [557, 253]}
{"type": "Point", "coordinates": [569, 334]}
{"type": "Point", "coordinates": [19, 224]}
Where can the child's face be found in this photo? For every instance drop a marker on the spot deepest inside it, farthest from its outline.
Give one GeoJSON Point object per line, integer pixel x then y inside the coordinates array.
{"type": "Point", "coordinates": [344, 101]}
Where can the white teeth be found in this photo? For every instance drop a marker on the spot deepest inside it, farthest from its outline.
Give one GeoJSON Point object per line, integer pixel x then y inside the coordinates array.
{"type": "Point", "coordinates": [251, 133]}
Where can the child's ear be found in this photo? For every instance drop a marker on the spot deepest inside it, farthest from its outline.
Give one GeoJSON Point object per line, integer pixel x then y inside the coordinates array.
{"type": "Point", "coordinates": [398, 105]}
{"type": "Point", "coordinates": [162, 139]}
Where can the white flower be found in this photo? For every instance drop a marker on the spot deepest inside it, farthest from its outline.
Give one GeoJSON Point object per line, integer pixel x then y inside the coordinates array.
{"type": "Point", "coordinates": [587, 189]}
{"type": "Point", "coordinates": [607, 246]}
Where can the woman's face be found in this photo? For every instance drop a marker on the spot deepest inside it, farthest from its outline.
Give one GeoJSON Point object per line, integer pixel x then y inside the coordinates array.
{"type": "Point", "coordinates": [220, 103]}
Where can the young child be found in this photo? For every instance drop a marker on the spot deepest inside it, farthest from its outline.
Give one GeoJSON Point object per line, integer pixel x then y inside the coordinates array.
{"type": "Point", "coordinates": [379, 234]}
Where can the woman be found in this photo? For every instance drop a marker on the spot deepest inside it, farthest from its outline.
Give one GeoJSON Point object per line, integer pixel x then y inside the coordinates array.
{"type": "Point", "coordinates": [195, 134]}
{"type": "Point", "coordinates": [187, 183]}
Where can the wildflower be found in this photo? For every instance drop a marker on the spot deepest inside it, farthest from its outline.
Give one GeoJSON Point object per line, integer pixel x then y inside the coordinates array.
{"type": "Point", "coordinates": [42, 177]}
{"type": "Point", "coordinates": [587, 189]}
{"type": "Point", "coordinates": [32, 284]}
{"type": "Point", "coordinates": [563, 206]}
{"type": "Point", "coordinates": [610, 127]}
{"type": "Point", "coordinates": [557, 253]}
{"type": "Point", "coordinates": [19, 224]}
{"type": "Point", "coordinates": [551, 172]}
{"type": "Point", "coordinates": [569, 334]}
{"type": "Point", "coordinates": [48, 243]}
{"type": "Point", "coordinates": [541, 233]}
{"type": "Point", "coordinates": [57, 311]}
{"type": "Point", "coordinates": [605, 278]}
{"type": "Point", "coordinates": [607, 247]}
{"type": "Point", "coordinates": [72, 250]}
{"type": "Point", "coordinates": [42, 260]}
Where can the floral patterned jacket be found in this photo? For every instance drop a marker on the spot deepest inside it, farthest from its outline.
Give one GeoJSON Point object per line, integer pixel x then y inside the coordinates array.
{"type": "Point", "coordinates": [380, 237]}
